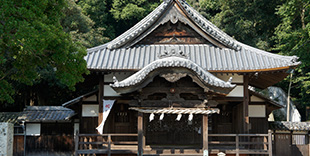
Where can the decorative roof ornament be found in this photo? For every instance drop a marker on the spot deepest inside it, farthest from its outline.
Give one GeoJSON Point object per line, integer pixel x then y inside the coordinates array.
{"type": "Point", "coordinates": [294, 59]}
{"type": "Point", "coordinates": [229, 80]}
{"type": "Point", "coordinates": [172, 51]}
{"type": "Point", "coordinates": [173, 77]}
{"type": "Point", "coordinates": [205, 79]}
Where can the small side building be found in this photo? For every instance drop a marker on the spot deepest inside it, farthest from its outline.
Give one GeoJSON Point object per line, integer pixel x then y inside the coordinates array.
{"type": "Point", "coordinates": [42, 130]}
{"type": "Point", "coordinates": [290, 138]}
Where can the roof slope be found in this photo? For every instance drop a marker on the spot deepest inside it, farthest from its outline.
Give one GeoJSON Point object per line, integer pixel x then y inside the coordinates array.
{"type": "Point", "coordinates": [289, 126]}
{"type": "Point", "coordinates": [208, 57]}
{"type": "Point", "coordinates": [46, 113]}
{"type": "Point", "coordinates": [123, 53]}
{"type": "Point", "coordinates": [180, 64]}
{"type": "Point", "coordinates": [11, 117]}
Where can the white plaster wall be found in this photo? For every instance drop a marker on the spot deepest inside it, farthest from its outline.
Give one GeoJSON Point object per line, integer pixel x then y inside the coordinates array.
{"type": "Point", "coordinates": [91, 98]}
{"type": "Point", "coordinates": [119, 76]}
{"type": "Point", "coordinates": [6, 139]}
{"type": "Point", "coordinates": [236, 92]}
{"type": "Point", "coordinates": [256, 99]}
{"type": "Point", "coordinates": [108, 91]}
{"type": "Point", "coordinates": [90, 110]}
{"type": "Point", "coordinates": [257, 111]}
{"type": "Point", "coordinates": [33, 129]}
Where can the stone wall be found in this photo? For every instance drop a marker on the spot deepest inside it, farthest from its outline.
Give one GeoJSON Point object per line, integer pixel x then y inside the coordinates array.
{"type": "Point", "coordinates": [6, 139]}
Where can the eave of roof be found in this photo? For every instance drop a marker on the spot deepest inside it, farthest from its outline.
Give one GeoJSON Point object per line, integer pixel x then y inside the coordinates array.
{"type": "Point", "coordinates": [289, 126]}
{"type": "Point", "coordinates": [210, 58]}
{"type": "Point", "coordinates": [78, 99]}
{"type": "Point", "coordinates": [10, 117]}
{"type": "Point", "coordinates": [252, 92]}
{"type": "Point", "coordinates": [174, 62]}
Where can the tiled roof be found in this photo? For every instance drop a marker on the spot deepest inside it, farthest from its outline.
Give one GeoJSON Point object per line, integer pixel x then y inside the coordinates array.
{"type": "Point", "coordinates": [210, 58]}
{"type": "Point", "coordinates": [38, 114]}
{"type": "Point", "coordinates": [11, 117]}
{"type": "Point", "coordinates": [78, 99]}
{"type": "Point", "coordinates": [178, 62]}
{"type": "Point", "coordinates": [266, 98]}
{"type": "Point", "coordinates": [123, 53]}
{"type": "Point", "coordinates": [289, 126]}
{"type": "Point", "coordinates": [151, 18]}
{"type": "Point", "coordinates": [46, 113]}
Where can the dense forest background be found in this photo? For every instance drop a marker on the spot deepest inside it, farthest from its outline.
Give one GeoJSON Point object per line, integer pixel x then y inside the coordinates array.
{"type": "Point", "coordinates": [42, 42]}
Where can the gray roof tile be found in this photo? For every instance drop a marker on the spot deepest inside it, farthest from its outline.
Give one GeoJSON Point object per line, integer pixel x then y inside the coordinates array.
{"type": "Point", "coordinates": [208, 57]}
{"type": "Point", "coordinates": [289, 126]}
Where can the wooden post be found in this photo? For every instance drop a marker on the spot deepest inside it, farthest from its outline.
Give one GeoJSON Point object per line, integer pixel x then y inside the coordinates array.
{"type": "Point", "coordinates": [205, 135]}
{"type": "Point", "coordinates": [140, 134]}
{"type": "Point", "coordinates": [100, 98]}
{"type": "Point", "coordinates": [109, 144]}
{"type": "Point", "coordinates": [237, 145]}
{"type": "Point", "coordinates": [76, 148]}
{"type": "Point", "coordinates": [246, 121]}
{"type": "Point", "coordinates": [270, 143]}
{"type": "Point", "coordinates": [291, 143]}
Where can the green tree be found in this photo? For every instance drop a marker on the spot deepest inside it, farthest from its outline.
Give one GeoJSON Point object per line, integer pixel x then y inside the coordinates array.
{"type": "Point", "coordinates": [251, 22]}
{"type": "Point", "coordinates": [292, 38]}
{"type": "Point", "coordinates": [207, 8]}
{"type": "Point", "coordinates": [31, 41]}
{"type": "Point", "coordinates": [81, 27]}
{"type": "Point", "coordinates": [129, 12]}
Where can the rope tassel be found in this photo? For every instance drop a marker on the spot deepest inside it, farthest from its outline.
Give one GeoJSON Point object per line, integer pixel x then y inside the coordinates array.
{"type": "Point", "coordinates": [190, 117]}
{"type": "Point", "coordinates": [179, 117]}
{"type": "Point", "coordinates": [151, 117]}
{"type": "Point", "coordinates": [161, 117]}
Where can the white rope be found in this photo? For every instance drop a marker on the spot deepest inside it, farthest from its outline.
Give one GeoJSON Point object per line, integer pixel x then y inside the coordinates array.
{"type": "Point", "coordinates": [176, 110]}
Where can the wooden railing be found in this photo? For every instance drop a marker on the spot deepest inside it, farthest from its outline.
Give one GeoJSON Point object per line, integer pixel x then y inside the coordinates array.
{"type": "Point", "coordinates": [260, 144]}
{"type": "Point", "coordinates": [237, 144]}
{"type": "Point", "coordinates": [105, 144]}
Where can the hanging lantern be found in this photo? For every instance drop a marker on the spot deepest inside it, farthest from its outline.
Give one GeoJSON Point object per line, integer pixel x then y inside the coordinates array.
{"type": "Point", "coordinates": [190, 117]}
{"type": "Point", "coordinates": [151, 117]}
{"type": "Point", "coordinates": [179, 117]}
{"type": "Point", "coordinates": [161, 117]}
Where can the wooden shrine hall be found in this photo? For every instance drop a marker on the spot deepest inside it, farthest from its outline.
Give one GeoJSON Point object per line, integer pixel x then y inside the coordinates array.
{"type": "Point", "coordinates": [180, 86]}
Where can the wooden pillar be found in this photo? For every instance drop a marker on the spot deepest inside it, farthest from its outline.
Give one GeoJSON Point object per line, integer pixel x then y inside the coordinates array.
{"type": "Point", "coordinates": [246, 100]}
{"type": "Point", "coordinates": [205, 135]}
{"type": "Point", "coordinates": [270, 143]}
{"type": "Point", "coordinates": [140, 134]}
{"type": "Point", "coordinates": [100, 98]}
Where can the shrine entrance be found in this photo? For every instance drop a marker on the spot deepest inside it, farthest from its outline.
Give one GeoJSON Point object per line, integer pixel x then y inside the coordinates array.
{"type": "Point", "coordinates": [173, 98]}
{"type": "Point", "coordinates": [168, 131]}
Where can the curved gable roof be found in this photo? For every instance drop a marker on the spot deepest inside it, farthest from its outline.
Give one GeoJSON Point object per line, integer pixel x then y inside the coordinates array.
{"type": "Point", "coordinates": [224, 54]}
{"type": "Point", "coordinates": [173, 63]}
{"type": "Point", "coordinates": [156, 15]}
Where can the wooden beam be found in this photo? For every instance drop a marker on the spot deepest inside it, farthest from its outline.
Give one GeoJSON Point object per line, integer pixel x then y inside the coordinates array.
{"type": "Point", "coordinates": [100, 98]}
{"type": "Point", "coordinates": [205, 134]}
{"type": "Point", "coordinates": [246, 101]}
{"type": "Point", "coordinates": [140, 134]}
{"type": "Point", "coordinates": [231, 99]}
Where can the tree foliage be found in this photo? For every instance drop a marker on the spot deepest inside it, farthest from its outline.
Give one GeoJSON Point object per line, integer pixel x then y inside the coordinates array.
{"type": "Point", "coordinates": [42, 42]}
{"type": "Point", "coordinates": [292, 36]}
{"type": "Point", "coordinates": [81, 27]}
{"type": "Point", "coordinates": [129, 12]}
{"type": "Point", "coordinates": [251, 22]}
{"type": "Point", "coordinates": [31, 41]}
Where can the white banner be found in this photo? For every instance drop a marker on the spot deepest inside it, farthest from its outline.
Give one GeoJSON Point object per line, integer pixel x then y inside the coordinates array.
{"type": "Point", "coordinates": [107, 106]}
